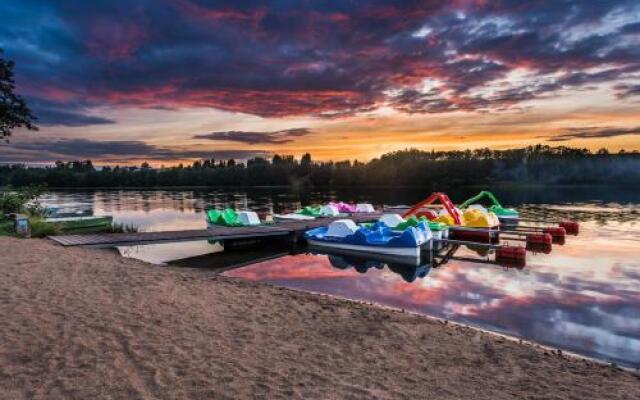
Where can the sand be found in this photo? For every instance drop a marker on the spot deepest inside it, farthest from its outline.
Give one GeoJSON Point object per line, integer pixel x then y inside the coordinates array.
{"type": "Point", "coordinates": [89, 324]}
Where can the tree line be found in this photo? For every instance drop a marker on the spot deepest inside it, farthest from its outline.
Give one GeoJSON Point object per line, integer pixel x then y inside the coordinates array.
{"type": "Point", "coordinates": [533, 164]}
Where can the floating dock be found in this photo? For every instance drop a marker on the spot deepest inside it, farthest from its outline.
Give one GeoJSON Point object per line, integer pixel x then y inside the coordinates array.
{"type": "Point", "coordinates": [292, 230]}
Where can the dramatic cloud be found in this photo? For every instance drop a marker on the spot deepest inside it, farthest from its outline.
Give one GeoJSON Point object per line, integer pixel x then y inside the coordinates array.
{"type": "Point", "coordinates": [50, 114]}
{"type": "Point", "coordinates": [623, 91]}
{"type": "Point", "coordinates": [275, 137]}
{"type": "Point", "coordinates": [593, 132]}
{"type": "Point", "coordinates": [68, 149]}
{"type": "Point", "coordinates": [278, 59]}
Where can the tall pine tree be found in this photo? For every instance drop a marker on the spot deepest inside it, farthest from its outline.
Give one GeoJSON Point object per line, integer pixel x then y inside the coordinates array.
{"type": "Point", "coordinates": [14, 112]}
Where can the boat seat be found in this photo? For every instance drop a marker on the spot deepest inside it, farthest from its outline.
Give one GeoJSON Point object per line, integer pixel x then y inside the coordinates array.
{"type": "Point", "coordinates": [342, 228]}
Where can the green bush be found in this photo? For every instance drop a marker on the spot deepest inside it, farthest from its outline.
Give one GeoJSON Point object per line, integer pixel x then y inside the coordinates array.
{"type": "Point", "coordinates": [11, 202]}
{"type": "Point", "coordinates": [6, 226]}
{"type": "Point", "coordinates": [40, 229]}
{"type": "Point", "coordinates": [22, 200]}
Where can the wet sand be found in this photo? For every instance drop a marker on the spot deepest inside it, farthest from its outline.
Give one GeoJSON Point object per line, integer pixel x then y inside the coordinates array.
{"type": "Point", "coordinates": [83, 323]}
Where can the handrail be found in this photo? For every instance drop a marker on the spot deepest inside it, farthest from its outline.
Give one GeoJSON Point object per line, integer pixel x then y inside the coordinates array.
{"type": "Point", "coordinates": [444, 199]}
{"type": "Point", "coordinates": [479, 196]}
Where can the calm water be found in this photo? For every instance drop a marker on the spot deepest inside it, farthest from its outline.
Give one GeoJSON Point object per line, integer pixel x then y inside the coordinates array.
{"type": "Point", "coordinates": [584, 296]}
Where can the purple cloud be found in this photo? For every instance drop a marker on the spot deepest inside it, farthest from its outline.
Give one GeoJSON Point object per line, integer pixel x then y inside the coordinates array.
{"type": "Point", "coordinates": [593, 132]}
{"type": "Point", "coordinates": [277, 59]}
{"type": "Point", "coordinates": [274, 137]}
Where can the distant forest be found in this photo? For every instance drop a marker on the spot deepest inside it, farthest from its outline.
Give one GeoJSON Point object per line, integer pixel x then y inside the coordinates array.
{"type": "Point", "coordinates": [530, 165]}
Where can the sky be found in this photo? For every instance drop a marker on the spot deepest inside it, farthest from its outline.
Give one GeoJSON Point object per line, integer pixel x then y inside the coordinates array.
{"type": "Point", "coordinates": [168, 81]}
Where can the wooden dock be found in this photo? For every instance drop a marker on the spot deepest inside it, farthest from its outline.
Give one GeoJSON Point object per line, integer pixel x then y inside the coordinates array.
{"type": "Point", "coordinates": [293, 230]}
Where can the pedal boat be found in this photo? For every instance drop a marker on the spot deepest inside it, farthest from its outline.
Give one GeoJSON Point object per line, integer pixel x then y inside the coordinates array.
{"type": "Point", "coordinates": [309, 213]}
{"type": "Point", "coordinates": [344, 234]}
{"type": "Point", "coordinates": [231, 218]}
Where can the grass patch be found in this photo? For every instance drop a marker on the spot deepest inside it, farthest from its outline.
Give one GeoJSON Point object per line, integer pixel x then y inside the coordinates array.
{"type": "Point", "coordinates": [41, 229]}
{"type": "Point", "coordinates": [6, 226]}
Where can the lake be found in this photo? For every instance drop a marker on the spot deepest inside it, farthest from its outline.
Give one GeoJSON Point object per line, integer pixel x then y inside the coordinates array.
{"type": "Point", "coordinates": [583, 297]}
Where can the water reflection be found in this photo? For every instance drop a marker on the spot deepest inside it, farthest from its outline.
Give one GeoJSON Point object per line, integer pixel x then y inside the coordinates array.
{"type": "Point", "coordinates": [408, 271]}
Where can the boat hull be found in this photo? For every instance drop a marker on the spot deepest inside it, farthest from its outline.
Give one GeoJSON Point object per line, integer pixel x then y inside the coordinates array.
{"type": "Point", "coordinates": [392, 251]}
{"type": "Point", "coordinates": [68, 223]}
{"type": "Point", "coordinates": [508, 220]}
{"type": "Point", "coordinates": [292, 217]}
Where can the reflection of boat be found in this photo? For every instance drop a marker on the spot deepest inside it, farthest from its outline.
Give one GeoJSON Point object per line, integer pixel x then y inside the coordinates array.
{"type": "Point", "coordinates": [408, 272]}
{"type": "Point", "coordinates": [344, 234]}
{"type": "Point", "coordinates": [360, 264]}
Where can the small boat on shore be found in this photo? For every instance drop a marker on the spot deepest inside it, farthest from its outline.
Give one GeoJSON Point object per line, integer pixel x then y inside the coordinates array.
{"type": "Point", "coordinates": [71, 218]}
{"type": "Point", "coordinates": [344, 234]}
{"type": "Point", "coordinates": [72, 223]}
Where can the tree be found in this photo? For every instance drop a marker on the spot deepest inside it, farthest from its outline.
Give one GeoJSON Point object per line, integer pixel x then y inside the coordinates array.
{"type": "Point", "coordinates": [305, 161]}
{"type": "Point", "coordinates": [14, 112]}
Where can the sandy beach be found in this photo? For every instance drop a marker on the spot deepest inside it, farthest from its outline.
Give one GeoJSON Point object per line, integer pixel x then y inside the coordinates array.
{"type": "Point", "coordinates": [84, 323]}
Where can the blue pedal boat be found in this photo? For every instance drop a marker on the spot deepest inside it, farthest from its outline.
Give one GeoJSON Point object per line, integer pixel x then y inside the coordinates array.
{"type": "Point", "coordinates": [344, 234]}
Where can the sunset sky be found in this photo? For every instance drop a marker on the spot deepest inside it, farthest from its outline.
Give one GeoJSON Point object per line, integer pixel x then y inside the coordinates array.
{"type": "Point", "coordinates": [172, 80]}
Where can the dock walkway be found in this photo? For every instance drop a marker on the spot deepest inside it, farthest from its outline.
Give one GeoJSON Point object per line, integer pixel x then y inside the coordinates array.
{"type": "Point", "coordinates": [218, 233]}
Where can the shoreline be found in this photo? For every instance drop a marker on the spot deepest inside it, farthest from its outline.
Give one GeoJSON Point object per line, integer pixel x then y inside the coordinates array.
{"type": "Point", "coordinates": [514, 339]}
{"type": "Point", "coordinates": [89, 323]}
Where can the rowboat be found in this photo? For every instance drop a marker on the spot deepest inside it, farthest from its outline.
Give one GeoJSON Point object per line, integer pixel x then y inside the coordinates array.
{"type": "Point", "coordinates": [85, 222]}
{"type": "Point", "coordinates": [71, 218]}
